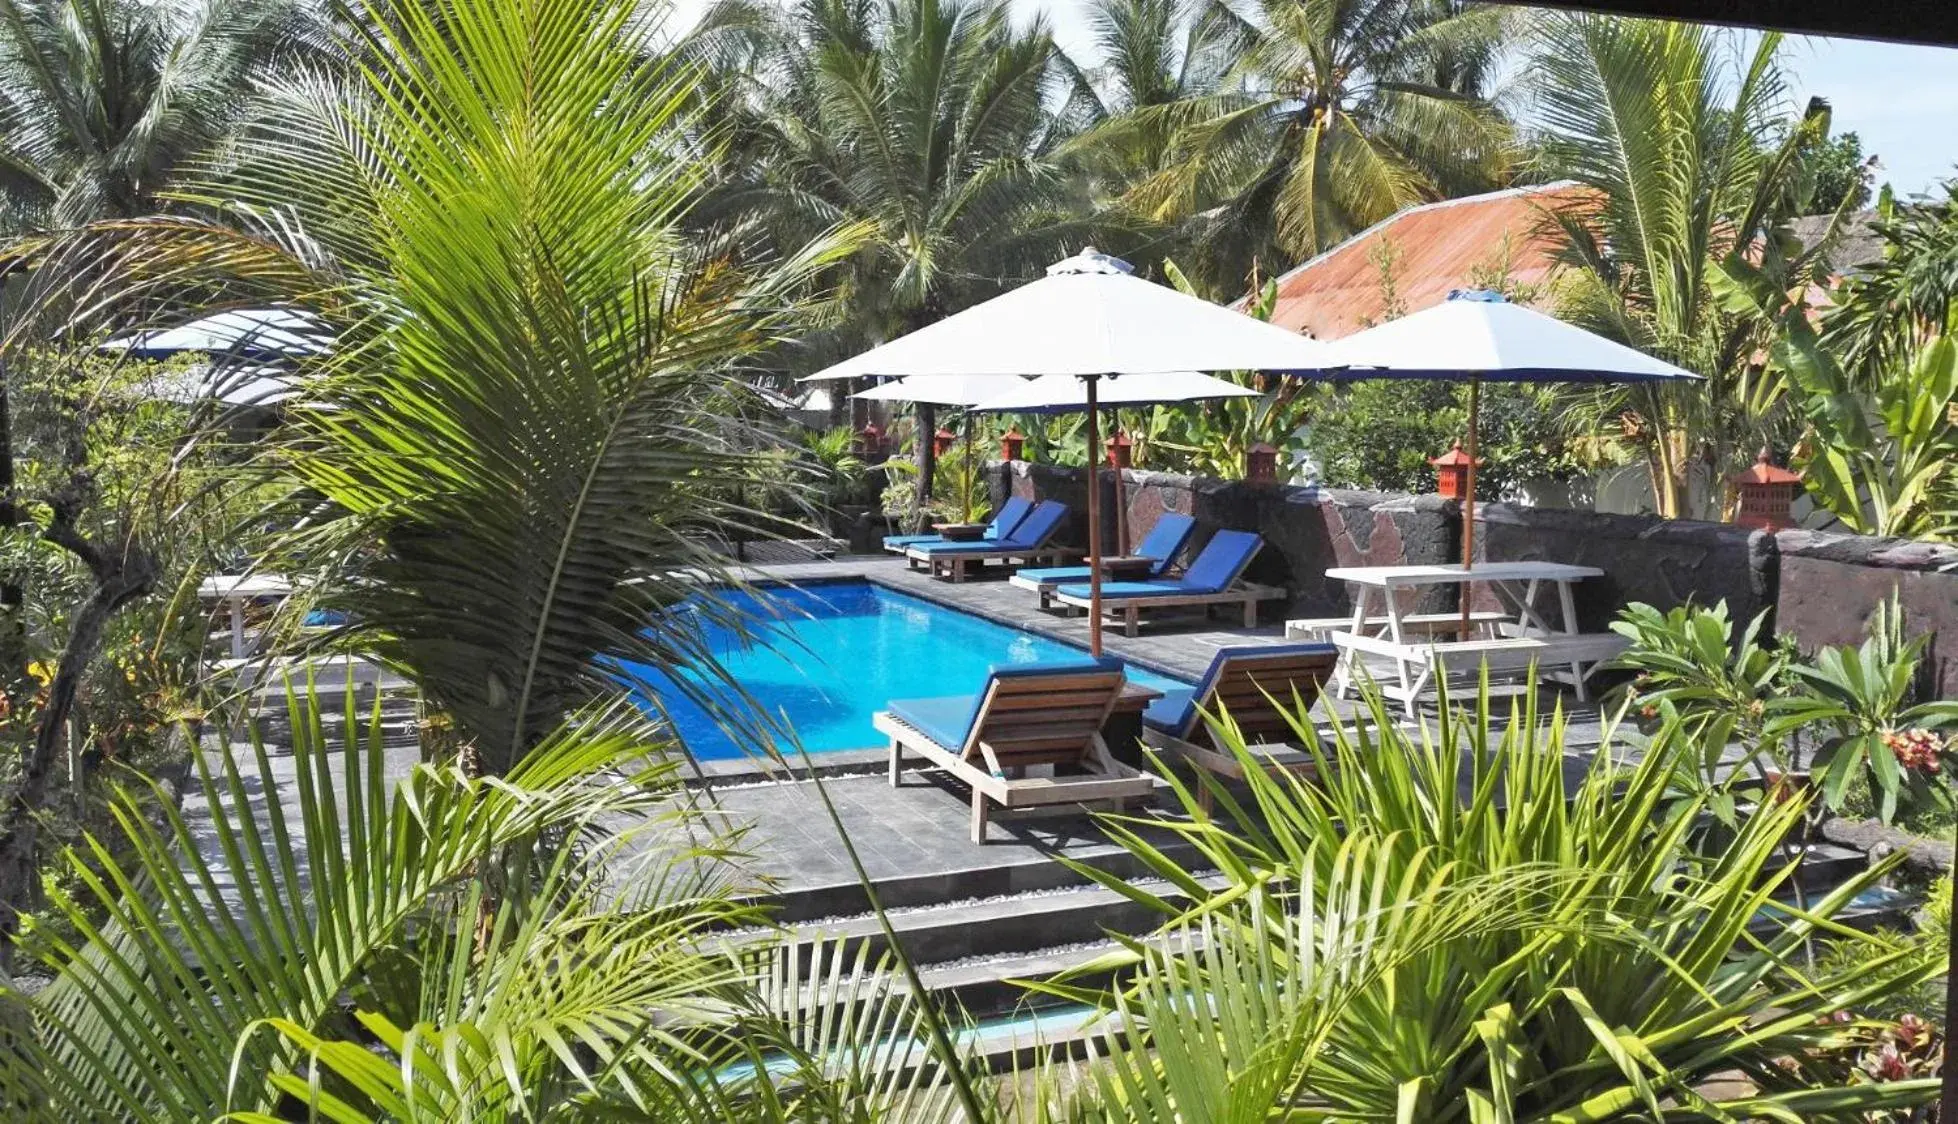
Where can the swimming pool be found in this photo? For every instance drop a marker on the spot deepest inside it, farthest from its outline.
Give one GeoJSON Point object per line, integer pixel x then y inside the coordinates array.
{"type": "Point", "coordinates": [831, 655]}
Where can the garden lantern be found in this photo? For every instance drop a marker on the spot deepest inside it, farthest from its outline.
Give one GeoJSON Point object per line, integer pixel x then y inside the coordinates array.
{"type": "Point", "coordinates": [1767, 494]}
{"type": "Point", "coordinates": [1121, 450]}
{"type": "Point", "coordinates": [941, 442]}
{"type": "Point", "coordinates": [870, 440]}
{"type": "Point", "coordinates": [1261, 464]}
{"type": "Point", "coordinates": [1452, 473]}
{"type": "Point", "coordinates": [1011, 444]}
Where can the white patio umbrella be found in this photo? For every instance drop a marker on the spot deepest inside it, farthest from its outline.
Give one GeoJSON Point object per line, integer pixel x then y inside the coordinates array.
{"type": "Point", "coordinates": [262, 333]}
{"type": "Point", "coordinates": [1056, 394]}
{"type": "Point", "coordinates": [1476, 335]}
{"type": "Point", "coordinates": [1091, 319]}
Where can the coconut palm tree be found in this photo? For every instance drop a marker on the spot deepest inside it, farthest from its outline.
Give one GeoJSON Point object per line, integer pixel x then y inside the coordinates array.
{"type": "Point", "coordinates": [104, 102]}
{"type": "Point", "coordinates": [1697, 164]}
{"type": "Point", "coordinates": [1335, 114]}
{"type": "Point", "coordinates": [1154, 53]}
{"type": "Point", "coordinates": [924, 121]}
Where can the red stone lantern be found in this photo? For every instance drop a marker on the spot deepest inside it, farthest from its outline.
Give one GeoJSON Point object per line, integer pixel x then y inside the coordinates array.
{"type": "Point", "coordinates": [1452, 473]}
{"type": "Point", "coordinates": [1767, 493]}
{"type": "Point", "coordinates": [1011, 444]}
{"type": "Point", "coordinates": [941, 442]}
{"type": "Point", "coordinates": [1261, 464]}
{"type": "Point", "coordinates": [870, 440]}
{"type": "Point", "coordinates": [1121, 450]}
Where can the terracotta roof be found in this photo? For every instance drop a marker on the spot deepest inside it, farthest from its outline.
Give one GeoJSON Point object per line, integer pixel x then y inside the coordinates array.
{"type": "Point", "coordinates": [1440, 246]}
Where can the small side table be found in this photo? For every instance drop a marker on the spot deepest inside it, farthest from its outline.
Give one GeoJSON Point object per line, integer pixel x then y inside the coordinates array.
{"type": "Point", "coordinates": [1127, 565]}
{"type": "Point", "coordinates": [960, 532]}
{"type": "Point", "coordinates": [1123, 730]}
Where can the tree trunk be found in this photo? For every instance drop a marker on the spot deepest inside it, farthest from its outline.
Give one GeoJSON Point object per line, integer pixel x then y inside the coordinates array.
{"type": "Point", "coordinates": [119, 579]}
{"type": "Point", "coordinates": [927, 452]}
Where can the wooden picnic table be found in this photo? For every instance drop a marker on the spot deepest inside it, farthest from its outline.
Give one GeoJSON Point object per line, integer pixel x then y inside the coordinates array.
{"type": "Point", "coordinates": [1519, 638]}
{"type": "Point", "coordinates": [235, 591]}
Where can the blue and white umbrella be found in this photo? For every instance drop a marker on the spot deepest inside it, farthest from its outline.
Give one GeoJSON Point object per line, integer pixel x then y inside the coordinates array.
{"type": "Point", "coordinates": [1475, 335]}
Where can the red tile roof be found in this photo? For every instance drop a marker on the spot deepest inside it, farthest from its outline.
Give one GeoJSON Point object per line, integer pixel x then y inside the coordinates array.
{"type": "Point", "coordinates": [1440, 246]}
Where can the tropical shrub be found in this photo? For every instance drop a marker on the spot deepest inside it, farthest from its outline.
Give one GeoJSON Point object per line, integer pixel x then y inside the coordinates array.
{"type": "Point", "coordinates": [1860, 704]}
{"type": "Point", "coordinates": [435, 946]}
{"type": "Point", "coordinates": [1691, 663]}
{"type": "Point", "coordinates": [1555, 947]}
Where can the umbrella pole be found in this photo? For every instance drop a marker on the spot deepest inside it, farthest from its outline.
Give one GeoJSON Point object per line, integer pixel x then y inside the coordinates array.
{"type": "Point", "coordinates": [971, 474]}
{"type": "Point", "coordinates": [1121, 503]}
{"type": "Point", "coordinates": [1094, 522]}
{"type": "Point", "coordinates": [1468, 501]}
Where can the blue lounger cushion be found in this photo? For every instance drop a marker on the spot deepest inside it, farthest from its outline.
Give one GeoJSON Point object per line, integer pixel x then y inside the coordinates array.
{"type": "Point", "coordinates": [1220, 564]}
{"type": "Point", "coordinates": [1176, 712]}
{"type": "Point", "coordinates": [1005, 521]}
{"type": "Point", "coordinates": [1032, 533]}
{"type": "Point", "coordinates": [948, 719]}
{"type": "Point", "coordinates": [1163, 543]}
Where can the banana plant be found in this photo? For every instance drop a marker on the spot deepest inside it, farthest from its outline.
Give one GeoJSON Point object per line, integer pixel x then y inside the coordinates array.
{"type": "Point", "coordinates": [1882, 458]}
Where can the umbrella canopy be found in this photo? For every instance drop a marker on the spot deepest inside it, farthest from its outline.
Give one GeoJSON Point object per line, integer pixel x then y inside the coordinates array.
{"type": "Point", "coordinates": [1476, 333]}
{"type": "Point", "coordinates": [268, 333]}
{"type": "Point", "coordinates": [948, 390]}
{"type": "Point", "coordinates": [1054, 394]}
{"type": "Point", "coordinates": [1088, 316]}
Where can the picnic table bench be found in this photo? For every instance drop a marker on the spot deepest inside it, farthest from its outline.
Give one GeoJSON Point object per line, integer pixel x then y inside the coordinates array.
{"type": "Point", "coordinates": [1516, 640]}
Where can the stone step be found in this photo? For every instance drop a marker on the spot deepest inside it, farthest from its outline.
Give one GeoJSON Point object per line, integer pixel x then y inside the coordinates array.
{"type": "Point", "coordinates": [1008, 924]}
{"type": "Point", "coordinates": [1018, 873]}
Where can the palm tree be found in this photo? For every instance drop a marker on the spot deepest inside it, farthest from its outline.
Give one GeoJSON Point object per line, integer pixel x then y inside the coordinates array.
{"type": "Point", "coordinates": [1154, 53]}
{"type": "Point", "coordinates": [103, 103]}
{"type": "Point", "coordinates": [1335, 114]}
{"type": "Point", "coordinates": [925, 122]}
{"type": "Point", "coordinates": [530, 417]}
{"type": "Point", "coordinates": [1696, 168]}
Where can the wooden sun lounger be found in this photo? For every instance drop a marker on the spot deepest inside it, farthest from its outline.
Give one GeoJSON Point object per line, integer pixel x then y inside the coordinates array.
{"type": "Point", "coordinates": [1252, 688]}
{"type": "Point", "coordinates": [1026, 718]}
{"type": "Point", "coordinates": [1029, 542]}
{"type": "Point", "coordinates": [1213, 578]}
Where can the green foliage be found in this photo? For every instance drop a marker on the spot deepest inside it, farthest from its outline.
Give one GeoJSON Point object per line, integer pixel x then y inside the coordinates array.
{"type": "Point", "coordinates": [1853, 709]}
{"type": "Point", "coordinates": [1380, 433]}
{"type": "Point", "coordinates": [1695, 167]}
{"type": "Point", "coordinates": [1333, 114]}
{"type": "Point", "coordinates": [1884, 461]}
{"type": "Point", "coordinates": [108, 102]}
{"type": "Point", "coordinates": [485, 916]}
{"type": "Point", "coordinates": [532, 419]}
{"type": "Point", "coordinates": [1878, 316]}
{"type": "Point", "coordinates": [1690, 663]}
{"type": "Point", "coordinates": [1858, 703]}
{"type": "Point", "coordinates": [1442, 925]}
{"type": "Point", "coordinates": [1213, 438]}
{"type": "Point", "coordinates": [1842, 176]}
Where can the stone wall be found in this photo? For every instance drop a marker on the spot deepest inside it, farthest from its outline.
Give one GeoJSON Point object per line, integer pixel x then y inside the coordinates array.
{"type": "Point", "coordinates": [1830, 584]}
{"type": "Point", "coordinates": [1662, 562]}
{"type": "Point", "coordinates": [1819, 588]}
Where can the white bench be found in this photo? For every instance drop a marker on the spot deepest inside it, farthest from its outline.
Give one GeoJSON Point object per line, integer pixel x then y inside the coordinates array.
{"type": "Point", "coordinates": [1423, 624]}
{"type": "Point", "coordinates": [1581, 652]}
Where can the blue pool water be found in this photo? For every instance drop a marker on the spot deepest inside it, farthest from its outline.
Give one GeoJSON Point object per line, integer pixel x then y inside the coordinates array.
{"type": "Point", "coordinates": [832, 655]}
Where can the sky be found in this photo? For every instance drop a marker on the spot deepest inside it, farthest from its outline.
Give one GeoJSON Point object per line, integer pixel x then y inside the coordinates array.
{"type": "Point", "coordinates": [1901, 100]}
